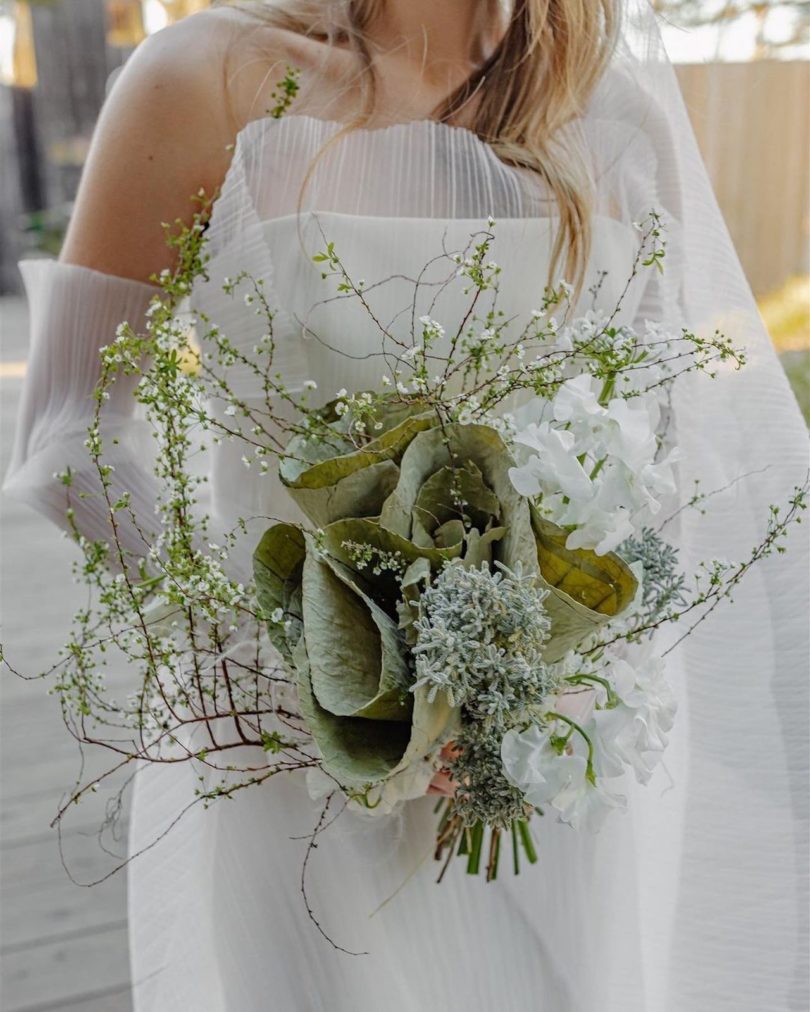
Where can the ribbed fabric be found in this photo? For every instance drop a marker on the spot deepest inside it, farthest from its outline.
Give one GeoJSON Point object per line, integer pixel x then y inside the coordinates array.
{"type": "Point", "coordinates": [418, 169]}
{"type": "Point", "coordinates": [75, 311]}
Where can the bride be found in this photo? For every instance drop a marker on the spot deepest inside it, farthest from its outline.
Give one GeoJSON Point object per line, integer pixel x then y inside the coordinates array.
{"type": "Point", "coordinates": [413, 123]}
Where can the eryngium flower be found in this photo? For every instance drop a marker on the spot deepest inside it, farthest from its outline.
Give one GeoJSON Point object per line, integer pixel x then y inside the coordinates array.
{"type": "Point", "coordinates": [480, 636]}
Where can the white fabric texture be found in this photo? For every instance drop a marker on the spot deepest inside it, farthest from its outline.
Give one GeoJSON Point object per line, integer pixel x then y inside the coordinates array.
{"type": "Point", "coordinates": [698, 897]}
{"type": "Point", "coordinates": [74, 311]}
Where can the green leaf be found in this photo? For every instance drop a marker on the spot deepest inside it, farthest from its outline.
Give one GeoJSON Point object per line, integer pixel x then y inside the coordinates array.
{"type": "Point", "coordinates": [449, 496]}
{"type": "Point", "coordinates": [385, 586]}
{"type": "Point", "coordinates": [414, 581]}
{"type": "Point", "coordinates": [433, 723]}
{"type": "Point", "coordinates": [360, 494]}
{"type": "Point", "coordinates": [586, 590]}
{"type": "Point", "coordinates": [277, 568]}
{"type": "Point", "coordinates": [355, 751]}
{"type": "Point", "coordinates": [358, 666]}
{"type": "Point", "coordinates": [389, 446]}
{"type": "Point", "coordinates": [480, 452]}
{"type": "Point", "coordinates": [340, 481]}
{"type": "Point", "coordinates": [479, 547]}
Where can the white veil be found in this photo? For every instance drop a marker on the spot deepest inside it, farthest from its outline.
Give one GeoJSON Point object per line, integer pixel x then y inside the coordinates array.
{"type": "Point", "coordinates": [724, 878]}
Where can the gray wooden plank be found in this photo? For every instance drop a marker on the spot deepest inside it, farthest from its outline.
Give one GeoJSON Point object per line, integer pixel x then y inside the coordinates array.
{"type": "Point", "coordinates": [39, 865]}
{"type": "Point", "coordinates": [115, 999]}
{"type": "Point", "coordinates": [65, 970]}
{"type": "Point", "coordinates": [58, 908]}
{"type": "Point", "coordinates": [62, 910]}
{"type": "Point", "coordinates": [27, 817]}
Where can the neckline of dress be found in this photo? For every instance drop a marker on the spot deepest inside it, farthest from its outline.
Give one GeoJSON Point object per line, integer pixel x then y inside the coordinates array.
{"type": "Point", "coordinates": [431, 124]}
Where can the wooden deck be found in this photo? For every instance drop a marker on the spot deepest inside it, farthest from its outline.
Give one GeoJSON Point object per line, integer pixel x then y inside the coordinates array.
{"type": "Point", "coordinates": [63, 946]}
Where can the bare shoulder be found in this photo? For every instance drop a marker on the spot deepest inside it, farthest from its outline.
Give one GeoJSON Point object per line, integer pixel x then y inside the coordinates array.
{"type": "Point", "coordinates": [163, 135]}
{"type": "Point", "coordinates": [179, 72]}
{"type": "Point", "coordinates": [167, 129]}
{"type": "Point", "coordinates": [221, 67]}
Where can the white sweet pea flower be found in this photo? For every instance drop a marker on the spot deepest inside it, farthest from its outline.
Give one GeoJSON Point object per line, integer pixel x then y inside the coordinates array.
{"type": "Point", "coordinates": [636, 731]}
{"type": "Point", "coordinates": [607, 730]}
{"type": "Point", "coordinates": [660, 479]}
{"type": "Point", "coordinates": [555, 468]}
{"type": "Point", "coordinates": [598, 529]}
{"type": "Point", "coordinates": [595, 466]}
{"type": "Point", "coordinates": [584, 805]}
{"type": "Point", "coordinates": [546, 777]}
{"type": "Point", "coordinates": [629, 433]}
{"type": "Point", "coordinates": [577, 702]}
{"type": "Point", "coordinates": [577, 403]}
{"type": "Point", "coordinates": [536, 768]}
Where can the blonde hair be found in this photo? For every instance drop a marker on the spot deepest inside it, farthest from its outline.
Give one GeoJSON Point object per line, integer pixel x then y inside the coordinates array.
{"type": "Point", "coordinates": [539, 77]}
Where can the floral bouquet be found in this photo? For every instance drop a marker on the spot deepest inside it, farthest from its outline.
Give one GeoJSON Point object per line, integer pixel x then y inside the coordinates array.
{"type": "Point", "coordinates": [432, 618]}
{"type": "Point", "coordinates": [468, 604]}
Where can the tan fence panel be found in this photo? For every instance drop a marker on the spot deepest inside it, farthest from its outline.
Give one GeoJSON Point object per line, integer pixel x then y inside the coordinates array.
{"type": "Point", "coordinates": [752, 122]}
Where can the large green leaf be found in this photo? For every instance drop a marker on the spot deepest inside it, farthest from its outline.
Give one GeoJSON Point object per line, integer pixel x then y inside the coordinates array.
{"type": "Point", "coordinates": [586, 590]}
{"type": "Point", "coordinates": [304, 451]}
{"type": "Point", "coordinates": [433, 723]}
{"type": "Point", "coordinates": [360, 494]}
{"type": "Point", "coordinates": [357, 658]}
{"type": "Point", "coordinates": [414, 581]}
{"type": "Point", "coordinates": [277, 568]}
{"type": "Point", "coordinates": [449, 499]}
{"type": "Point", "coordinates": [384, 586]}
{"type": "Point", "coordinates": [357, 752]}
{"type": "Point", "coordinates": [481, 451]}
{"type": "Point", "coordinates": [352, 483]}
{"type": "Point", "coordinates": [388, 446]}
{"type": "Point", "coordinates": [479, 548]}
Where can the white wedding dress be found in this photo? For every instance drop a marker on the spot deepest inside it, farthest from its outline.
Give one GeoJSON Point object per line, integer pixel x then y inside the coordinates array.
{"type": "Point", "coordinates": [693, 899]}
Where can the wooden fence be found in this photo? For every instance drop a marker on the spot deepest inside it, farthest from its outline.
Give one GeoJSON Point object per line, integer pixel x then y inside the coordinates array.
{"type": "Point", "coordinates": [752, 121]}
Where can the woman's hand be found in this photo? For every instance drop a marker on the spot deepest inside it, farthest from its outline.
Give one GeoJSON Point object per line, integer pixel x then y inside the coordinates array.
{"type": "Point", "coordinates": [443, 782]}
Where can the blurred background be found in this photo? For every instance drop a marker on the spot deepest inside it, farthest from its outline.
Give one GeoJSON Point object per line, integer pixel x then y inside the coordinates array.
{"type": "Point", "coordinates": [744, 68]}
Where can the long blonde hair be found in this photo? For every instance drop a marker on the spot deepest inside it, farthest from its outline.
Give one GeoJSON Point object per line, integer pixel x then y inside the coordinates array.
{"type": "Point", "coordinates": [539, 77]}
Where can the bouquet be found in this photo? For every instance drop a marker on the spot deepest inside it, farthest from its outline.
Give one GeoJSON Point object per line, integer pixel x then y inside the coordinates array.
{"type": "Point", "coordinates": [431, 621]}
{"type": "Point", "coordinates": [469, 604]}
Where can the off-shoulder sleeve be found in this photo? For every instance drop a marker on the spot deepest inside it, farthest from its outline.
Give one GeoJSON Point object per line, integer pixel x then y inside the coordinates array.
{"type": "Point", "coordinates": [74, 312]}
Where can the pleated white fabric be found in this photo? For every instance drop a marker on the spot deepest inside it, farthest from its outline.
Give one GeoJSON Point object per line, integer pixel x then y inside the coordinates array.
{"type": "Point", "coordinates": [698, 897]}
{"type": "Point", "coordinates": [75, 311]}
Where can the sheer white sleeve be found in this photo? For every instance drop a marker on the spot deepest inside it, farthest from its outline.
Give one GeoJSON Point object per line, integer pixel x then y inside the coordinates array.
{"type": "Point", "coordinates": [74, 312]}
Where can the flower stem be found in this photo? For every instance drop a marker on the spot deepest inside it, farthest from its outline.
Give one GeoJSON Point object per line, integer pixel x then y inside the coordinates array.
{"type": "Point", "coordinates": [527, 841]}
{"type": "Point", "coordinates": [589, 773]}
